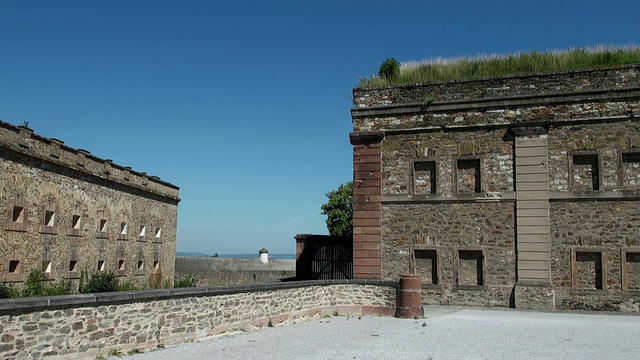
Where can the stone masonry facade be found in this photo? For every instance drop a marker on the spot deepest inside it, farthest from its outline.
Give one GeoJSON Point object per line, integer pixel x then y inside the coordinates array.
{"type": "Point", "coordinates": [92, 326]}
{"type": "Point", "coordinates": [518, 191]}
{"type": "Point", "coordinates": [67, 212]}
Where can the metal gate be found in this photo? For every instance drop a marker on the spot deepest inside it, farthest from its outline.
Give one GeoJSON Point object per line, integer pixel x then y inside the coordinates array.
{"type": "Point", "coordinates": [332, 261]}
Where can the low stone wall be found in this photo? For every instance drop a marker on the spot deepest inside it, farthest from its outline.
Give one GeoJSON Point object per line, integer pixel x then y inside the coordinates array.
{"type": "Point", "coordinates": [89, 326]}
{"type": "Point", "coordinates": [224, 271]}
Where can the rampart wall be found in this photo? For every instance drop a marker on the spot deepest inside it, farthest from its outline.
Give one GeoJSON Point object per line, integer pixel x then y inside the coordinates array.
{"type": "Point", "coordinates": [67, 212]}
{"type": "Point", "coordinates": [88, 326]}
{"type": "Point", "coordinates": [223, 271]}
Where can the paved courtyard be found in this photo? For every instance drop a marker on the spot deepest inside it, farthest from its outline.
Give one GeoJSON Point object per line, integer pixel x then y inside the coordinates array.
{"type": "Point", "coordinates": [445, 333]}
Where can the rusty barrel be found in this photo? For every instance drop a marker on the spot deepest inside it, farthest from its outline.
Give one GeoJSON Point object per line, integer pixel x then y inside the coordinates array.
{"type": "Point", "coordinates": [410, 297]}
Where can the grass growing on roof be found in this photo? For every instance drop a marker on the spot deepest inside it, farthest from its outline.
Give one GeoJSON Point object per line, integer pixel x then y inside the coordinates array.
{"type": "Point", "coordinates": [435, 70]}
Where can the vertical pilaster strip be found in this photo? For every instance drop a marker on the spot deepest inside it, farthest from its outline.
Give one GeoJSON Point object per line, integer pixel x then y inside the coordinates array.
{"type": "Point", "coordinates": [532, 218]}
{"type": "Point", "coordinates": [367, 206]}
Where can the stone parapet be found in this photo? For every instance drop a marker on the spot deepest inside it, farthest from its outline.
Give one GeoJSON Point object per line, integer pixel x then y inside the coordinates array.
{"type": "Point", "coordinates": [92, 325]}
{"type": "Point", "coordinates": [224, 271]}
{"type": "Point", "coordinates": [22, 140]}
{"type": "Point", "coordinates": [534, 84]}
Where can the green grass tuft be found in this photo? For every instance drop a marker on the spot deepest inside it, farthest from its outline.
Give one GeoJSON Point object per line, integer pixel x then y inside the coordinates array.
{"type": "Point", "coordinates": [435, 70]}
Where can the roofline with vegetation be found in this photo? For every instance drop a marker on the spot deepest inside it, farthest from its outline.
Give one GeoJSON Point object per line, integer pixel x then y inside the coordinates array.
{"type": "Point", "coordinates": [484, 67]}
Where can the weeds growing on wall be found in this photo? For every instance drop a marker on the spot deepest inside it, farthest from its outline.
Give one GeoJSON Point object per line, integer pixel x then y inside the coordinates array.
{"type": "Point", "coordinates": [186, 282]}
{"type": "Point", "coordinates": [434, 70]}
{"type": "Point", "coordinates": [99, 282]}
{"type": "Point", "coordinates": [36, 284]}
{"type": "Point", "coordinates": [7, 292]}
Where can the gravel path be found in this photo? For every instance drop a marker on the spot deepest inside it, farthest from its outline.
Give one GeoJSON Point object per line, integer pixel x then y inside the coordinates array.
{"type": "Point", "coordinates": [445, 333]}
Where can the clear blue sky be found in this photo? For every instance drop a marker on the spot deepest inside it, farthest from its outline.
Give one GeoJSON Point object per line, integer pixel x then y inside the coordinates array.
{"type": "Point", "coordinates": [245, 105]}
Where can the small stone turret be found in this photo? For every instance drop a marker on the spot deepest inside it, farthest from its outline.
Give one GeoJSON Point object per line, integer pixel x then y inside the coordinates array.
{"type": "Point", "coordinates": [264, 256]}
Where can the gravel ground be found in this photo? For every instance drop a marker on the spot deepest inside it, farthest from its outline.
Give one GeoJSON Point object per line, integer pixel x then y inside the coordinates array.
{"type": "Point", "coordinates": [445, 333]}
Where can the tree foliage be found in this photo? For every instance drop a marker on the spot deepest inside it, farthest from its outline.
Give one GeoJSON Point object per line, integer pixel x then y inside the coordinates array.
{"type": "Point", "coordinates": [389, 69]}
{"type": "Point", "coordinates": [339, 210]}
{"type": "Point", "coordinates": [100, 282]}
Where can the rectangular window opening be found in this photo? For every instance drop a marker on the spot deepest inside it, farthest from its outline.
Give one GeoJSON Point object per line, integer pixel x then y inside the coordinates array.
{"type": "Point", "coordinates": [468, 176]}
{"type": "Point", "coordinates": [101, 266]}
{"type": "Point", "coordinates": [73, 265]}
{"type": "Point", "coordinates": [424, 177]}
{"type": "Point", "coordinates": [158, 233]}
{"type": "Point", "coordinates": [121, 265]}
{"type": "Point", "coordinates": [49, 218]}
{"type": "Point", "coordinates": [588, 270]}
{"type": "Point", "coordinates": [140, 265]}
{"type": "Point", "coordinates": [426, 265]}
{"type": "Point", "coordinates": [586, 172]}
{"type": "Point", "coordinates": [156, 264]}
{"type": "Point", "coordinates": [75, 222]}
{"type": "Point", "coordinates": [46, 266]}
{"type": "Point", "coordinates": [18, 215]}
{"type": "Point", "coordinates": [470, 268]}
{"type": "Point", "coordinates": [143, 230]}
{"type": "Point", "coordinates": [632, 270]}
{"type": "Point", "coordinates": [14, 266]}
{"type": "Point", "coordinates": [123, 228]}
{"type": "Point", "coordinates": [103, 225]}
{"type": "Point", "coordinates": [631, 170]}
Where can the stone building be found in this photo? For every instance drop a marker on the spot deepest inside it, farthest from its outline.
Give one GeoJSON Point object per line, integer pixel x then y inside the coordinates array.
{"type": "Point", "coordinates": [518, 190]}
{"type": "Point", "coordinates": [68, 212]}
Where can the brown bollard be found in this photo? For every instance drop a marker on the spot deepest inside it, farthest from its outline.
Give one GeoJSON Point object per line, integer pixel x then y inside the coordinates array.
{"type": "Point", "coordinates": [410, 297]}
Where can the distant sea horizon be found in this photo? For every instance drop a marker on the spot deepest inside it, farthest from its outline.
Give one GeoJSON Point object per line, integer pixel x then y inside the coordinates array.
{"type": "Point", "coordinates": [236, 256]}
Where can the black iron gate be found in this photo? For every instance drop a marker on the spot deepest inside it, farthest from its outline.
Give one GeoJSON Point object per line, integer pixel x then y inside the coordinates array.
{"type": "Point", "coordinates": [322, 257]}
{"type": "Point", "coordinates": [332, 261]}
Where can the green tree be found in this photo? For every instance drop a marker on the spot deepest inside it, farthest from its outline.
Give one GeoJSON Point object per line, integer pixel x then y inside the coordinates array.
{"type": "Point", "coordinates": [339, 210]}
{"type": "Point", "coordinates": [389, 69]}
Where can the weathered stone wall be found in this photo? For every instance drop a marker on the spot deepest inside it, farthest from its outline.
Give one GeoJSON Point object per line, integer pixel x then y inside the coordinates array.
{"type": "Point", "coordinates": [608, 141]}
{"type": "Point", "coordinates": [443, 148]}
{"type": "Point", "coordinates": [449, 228]}
{"type": "Point", "coordinates": [219, 271]}
{"type": "Point", "coordinates": [89, 326]}
{"type": "Point", "coordinates": [501, 87]}
{"type": "Point", "coordinates": [67, 212]}
{"type": "Point", "coordinates": [518, 170]}
{"type": "Point", "coordinates": [606, 229]}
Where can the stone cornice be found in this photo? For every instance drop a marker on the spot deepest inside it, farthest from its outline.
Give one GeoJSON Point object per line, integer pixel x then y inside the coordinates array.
{"type": "Point", "coordinates": [23, 141]}
{"type": "Point", "coordinates": [498, 103]}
